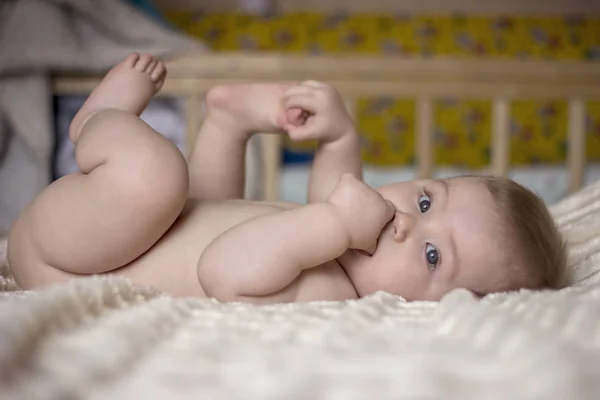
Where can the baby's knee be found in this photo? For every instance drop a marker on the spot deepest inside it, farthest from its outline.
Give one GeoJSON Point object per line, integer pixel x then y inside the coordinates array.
{"type": "Point", "coordinates": [158, 169]}
{"type": "Point", "coordinates": [135, 159]}
{"type": "Point", "coordinates": [147, 161]}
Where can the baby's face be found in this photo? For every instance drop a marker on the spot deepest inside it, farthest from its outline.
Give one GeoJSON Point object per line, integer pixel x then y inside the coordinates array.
{"type": "Point", "coordinates": [445, 235]}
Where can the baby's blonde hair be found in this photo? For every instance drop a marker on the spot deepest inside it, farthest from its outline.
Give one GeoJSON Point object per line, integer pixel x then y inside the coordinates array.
{"type": "Point", "coordinates": [535, 246]}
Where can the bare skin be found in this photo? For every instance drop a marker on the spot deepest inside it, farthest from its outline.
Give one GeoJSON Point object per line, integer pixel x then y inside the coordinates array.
{"type": "Point", "coordinates": [138, 210]}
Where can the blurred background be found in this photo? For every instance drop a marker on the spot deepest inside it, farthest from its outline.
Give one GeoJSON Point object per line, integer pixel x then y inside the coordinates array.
{"type": "Point", "coordinates": [538, 29]}
{"type": "Point", "coordinates": [488, 29]}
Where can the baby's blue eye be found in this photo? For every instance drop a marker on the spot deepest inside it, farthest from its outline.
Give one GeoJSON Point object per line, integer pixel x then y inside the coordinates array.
{"type": "Point", "coordinates": [432, 255]}
{"type": "Point", "coordinates": [424, 203]}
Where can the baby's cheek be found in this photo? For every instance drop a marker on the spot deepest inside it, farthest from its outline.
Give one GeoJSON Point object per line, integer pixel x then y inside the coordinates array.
{"type": "Point", "coordinates": [395, 277]}
{"type": "Point", "coordinates": [415, 279]}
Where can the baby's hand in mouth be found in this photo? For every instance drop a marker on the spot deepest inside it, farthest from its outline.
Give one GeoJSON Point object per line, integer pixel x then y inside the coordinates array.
{"type": "Point", "coordinates": [369, 252]}
{"type": "Point", "coordinates": [363, 211]}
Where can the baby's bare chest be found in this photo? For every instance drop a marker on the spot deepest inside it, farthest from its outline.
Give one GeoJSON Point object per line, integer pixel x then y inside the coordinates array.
{"type": "Point", "coordinates": [171, 264]}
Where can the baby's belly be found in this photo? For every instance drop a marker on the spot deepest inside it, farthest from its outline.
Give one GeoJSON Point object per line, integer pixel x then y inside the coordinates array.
{"type": "Point", "coordinates": [170, 265]}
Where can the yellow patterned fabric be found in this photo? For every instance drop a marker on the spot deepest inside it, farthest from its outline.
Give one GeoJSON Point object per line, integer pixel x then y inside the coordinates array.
{"type": "Point", "coordinates": [462, 127]}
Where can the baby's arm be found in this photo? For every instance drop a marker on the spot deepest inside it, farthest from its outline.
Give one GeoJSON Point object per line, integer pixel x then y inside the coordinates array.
{"type": "Point", "coordinates": [259, 258]}
{"type": "Point", "coordinates": [338, 152]}
{"type": "Point", "coordinates": [331, 161]}
{"type": "Point", "coordinates": [262, 256]}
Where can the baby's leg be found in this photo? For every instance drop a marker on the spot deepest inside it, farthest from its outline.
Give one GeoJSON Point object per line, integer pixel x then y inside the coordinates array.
{"type": "Point", "coordinates": [132, 185]}
{"type": "Point", "coordinates": [234, 114]}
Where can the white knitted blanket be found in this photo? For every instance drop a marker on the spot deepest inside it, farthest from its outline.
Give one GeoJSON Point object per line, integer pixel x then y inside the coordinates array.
{"type": "Point", "coordinates": [104, 338]}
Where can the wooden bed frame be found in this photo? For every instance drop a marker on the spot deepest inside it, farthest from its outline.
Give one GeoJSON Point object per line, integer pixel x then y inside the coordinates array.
{"type": "Point", "coordinates": [425, 80]}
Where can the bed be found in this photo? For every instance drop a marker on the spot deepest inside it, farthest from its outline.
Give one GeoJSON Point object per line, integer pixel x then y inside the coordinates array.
{"type": "Point", "coordinates": [105, 337]}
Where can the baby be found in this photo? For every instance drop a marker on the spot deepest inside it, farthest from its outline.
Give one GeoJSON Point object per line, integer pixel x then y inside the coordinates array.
{"type": "Point", "coordinates": [138, 210]}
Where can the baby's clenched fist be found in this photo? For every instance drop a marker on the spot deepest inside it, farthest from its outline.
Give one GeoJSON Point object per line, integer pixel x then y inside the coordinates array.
{"type": "Point", "coordinates": [363, 211]}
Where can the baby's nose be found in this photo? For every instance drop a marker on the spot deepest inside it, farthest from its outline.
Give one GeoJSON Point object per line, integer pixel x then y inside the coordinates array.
{"type": "Point", "coordinates": [402, 225]}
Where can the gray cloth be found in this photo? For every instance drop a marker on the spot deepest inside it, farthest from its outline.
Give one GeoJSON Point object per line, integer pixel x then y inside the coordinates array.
{"type": "Point", "coordinates": [42, 37]}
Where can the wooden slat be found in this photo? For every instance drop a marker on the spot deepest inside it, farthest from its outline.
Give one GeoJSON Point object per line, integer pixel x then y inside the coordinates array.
{"type": "Point", "coordinates": [193, 119]}
{"type": "Point", "coordinates": [379, 67]}
{"type": "Point", "coordinates": [424, 139]}
{"type": "Point", "coordinates": [365, 87]}
{"type": "Point", "coordinates": [500, 137]}
{"type": "Point", "coordinates": [271, 146]}
{"type": "Point", "coordinates": [576, 152]}
{"type": "Point", "coordinates": [276, 66]}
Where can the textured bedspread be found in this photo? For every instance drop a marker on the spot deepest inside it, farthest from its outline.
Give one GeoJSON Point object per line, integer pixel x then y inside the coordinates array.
{"type": "Point", "coordinates": [105, 338]}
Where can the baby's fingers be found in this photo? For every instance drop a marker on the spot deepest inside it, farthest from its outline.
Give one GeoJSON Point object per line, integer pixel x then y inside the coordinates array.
{"type": "Point", "coordinates": [307, 102]}
{"type": "Point", "coordinates": [299, 89]}
{"type": "Point", "coordinates": [295, 117]}
{"type": "Point", "coordinates": [390, 210]}
{"type": "Point", "coordinates": [315, 84]}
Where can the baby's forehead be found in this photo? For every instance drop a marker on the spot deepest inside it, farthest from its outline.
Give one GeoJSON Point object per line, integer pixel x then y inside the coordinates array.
{"type": "Point", "coordinates": [470, 199]}
{"type": "Point", "coordinates": [479, 234]}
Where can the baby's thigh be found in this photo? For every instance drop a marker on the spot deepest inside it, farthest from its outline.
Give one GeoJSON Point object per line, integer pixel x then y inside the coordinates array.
{"type": "Point", "coordinates": [26, 260]}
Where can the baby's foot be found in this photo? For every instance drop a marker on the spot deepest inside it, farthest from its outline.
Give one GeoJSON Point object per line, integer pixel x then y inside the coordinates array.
{"type": "Point", "coordinates": [128, 86]}
{"type": "Point", "coordinates": [251, 108]}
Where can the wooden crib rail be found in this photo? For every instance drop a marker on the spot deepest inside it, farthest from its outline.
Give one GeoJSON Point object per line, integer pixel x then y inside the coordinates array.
{"type": "Point", "coordinates": [425, 80]}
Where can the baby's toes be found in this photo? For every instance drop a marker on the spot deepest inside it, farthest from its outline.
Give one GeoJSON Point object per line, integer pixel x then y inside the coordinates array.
{"type": "Point", "coordinates": [144, 62]}
{"type": "Point", "coordinates": [158, 71]}
{"type": "Point", "coordinates": [152, 66]}
{"type": "Point", "coordinates": [131, 60]}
